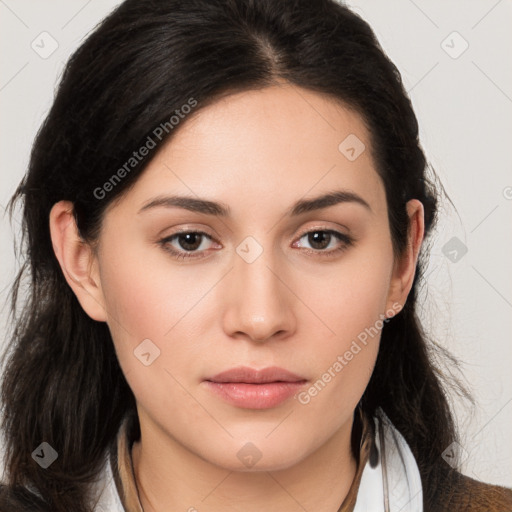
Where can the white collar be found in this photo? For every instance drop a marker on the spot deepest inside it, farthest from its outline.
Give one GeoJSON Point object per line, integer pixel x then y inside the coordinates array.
{"type": "Point", "coordinates": [394, 484]}
{"type": "Point", "coordinates": [109, 500]}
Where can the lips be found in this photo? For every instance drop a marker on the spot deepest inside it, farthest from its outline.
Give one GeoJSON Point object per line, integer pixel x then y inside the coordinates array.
{"type": "Point", "coordinates": [248, 388]}
{"type": "Point", "coordinates": [250, 376]}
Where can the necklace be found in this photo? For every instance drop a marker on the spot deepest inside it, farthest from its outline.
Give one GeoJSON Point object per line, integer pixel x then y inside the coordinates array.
{"type": "Point", "coordinates": [141, 508]}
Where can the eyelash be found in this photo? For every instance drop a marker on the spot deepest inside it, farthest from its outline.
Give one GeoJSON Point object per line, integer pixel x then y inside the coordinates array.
{"type": "Point", "coordinates": [347, 242]}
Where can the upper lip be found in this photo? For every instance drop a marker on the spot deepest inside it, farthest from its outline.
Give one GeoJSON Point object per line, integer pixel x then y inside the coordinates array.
{"type": "Point", "coordinates": [251, 376]}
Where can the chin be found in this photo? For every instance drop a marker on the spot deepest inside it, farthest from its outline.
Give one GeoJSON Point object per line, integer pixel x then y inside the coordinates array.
{"type": "Point", "coordinates": [257, 455]}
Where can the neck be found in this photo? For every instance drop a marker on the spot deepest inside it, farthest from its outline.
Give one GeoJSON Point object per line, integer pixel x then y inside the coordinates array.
{"type": "Point", "coordinates": [170, 477]}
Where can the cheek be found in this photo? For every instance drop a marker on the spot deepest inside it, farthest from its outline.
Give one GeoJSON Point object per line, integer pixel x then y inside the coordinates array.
{"type": "Point", "coordinates": [351, 296]}
{"type": "Point", "coordinates": [137, 302]}
{"type": "Point", "coordinates": [147, 318]}
{"type": "Point", "coordinates": [351, 303]}
{"type": "Point", "coordinates": [145, 294]}
{"type": "Point", "coordinates": [158, 310]}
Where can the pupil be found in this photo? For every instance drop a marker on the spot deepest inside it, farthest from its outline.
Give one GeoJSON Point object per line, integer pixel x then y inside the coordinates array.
{"type": "Point", "coordinates": [317, 237]}
{"type": "Point", "coordinates": [190, 245]}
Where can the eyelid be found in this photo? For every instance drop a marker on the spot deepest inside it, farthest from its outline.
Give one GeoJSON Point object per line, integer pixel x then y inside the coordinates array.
{"type": "Point", "coordinates": [323, 227]}
{"type": "Point", "coordinates": [192, 229]}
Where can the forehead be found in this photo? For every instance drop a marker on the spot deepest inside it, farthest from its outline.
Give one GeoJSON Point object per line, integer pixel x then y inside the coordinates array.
{"type": "Point", "coordinates": [257, 147]}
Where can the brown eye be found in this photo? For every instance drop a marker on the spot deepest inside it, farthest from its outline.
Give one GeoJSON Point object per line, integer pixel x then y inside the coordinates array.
{"type": "Point", "coordinates": [322, 239]}
{"type": "Point", "coordinates": [186, 244]}
{"type": "Point", "coordinates": [319, 239]}
{"type": "Point", "coordinates": [189, 241]}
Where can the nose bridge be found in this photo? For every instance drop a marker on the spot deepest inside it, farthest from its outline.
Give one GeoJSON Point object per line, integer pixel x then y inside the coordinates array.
{"type": "Point", "coordinates": [259, 306]}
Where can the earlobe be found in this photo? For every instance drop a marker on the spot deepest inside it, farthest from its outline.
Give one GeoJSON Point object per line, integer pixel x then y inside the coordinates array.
{"type": "Point", "coordinates": [405, 267]}
{"type": "Point", "coordinates": [77, 260]}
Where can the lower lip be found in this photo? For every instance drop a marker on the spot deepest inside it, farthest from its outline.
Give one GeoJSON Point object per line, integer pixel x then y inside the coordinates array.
{"type": "Point", "coordinates": [255, 396]}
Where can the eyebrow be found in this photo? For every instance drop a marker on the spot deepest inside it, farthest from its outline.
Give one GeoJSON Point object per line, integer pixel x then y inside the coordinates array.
{"type": "Point", "coordinates": [219, 209]}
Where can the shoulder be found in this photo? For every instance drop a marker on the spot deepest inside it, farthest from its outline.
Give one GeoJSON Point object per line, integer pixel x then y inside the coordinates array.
{"type": "Point", "coordinates": [20, 499]}
{"type": "Point", "coordinates": [457, 492]}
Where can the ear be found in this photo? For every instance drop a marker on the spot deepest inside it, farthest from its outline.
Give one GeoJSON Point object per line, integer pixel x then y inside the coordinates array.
{"type": "Point", "coordinates": [405, 266]}
{"type": "Point", "coordinates": [77, 260]}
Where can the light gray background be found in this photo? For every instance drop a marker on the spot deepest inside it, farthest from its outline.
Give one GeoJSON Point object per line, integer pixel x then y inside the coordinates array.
{"type": "Point", "coordinates": [464, 106]}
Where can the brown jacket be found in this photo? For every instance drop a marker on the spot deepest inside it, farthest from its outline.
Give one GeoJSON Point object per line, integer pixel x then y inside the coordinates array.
{"type": "Point", "coordinates": [457, 492]}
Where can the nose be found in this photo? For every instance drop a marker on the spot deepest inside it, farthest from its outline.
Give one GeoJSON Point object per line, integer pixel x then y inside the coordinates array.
{"type": "Point", "coordinates": [260, 302]}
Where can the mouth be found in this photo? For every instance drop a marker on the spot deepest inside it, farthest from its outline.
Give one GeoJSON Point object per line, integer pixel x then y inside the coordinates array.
{"type": "Point", "coordinates": [248, 388]}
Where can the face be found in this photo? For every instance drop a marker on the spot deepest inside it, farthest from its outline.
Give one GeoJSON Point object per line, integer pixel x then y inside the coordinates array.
{"type": "Point", "coordinates": [262, 278]}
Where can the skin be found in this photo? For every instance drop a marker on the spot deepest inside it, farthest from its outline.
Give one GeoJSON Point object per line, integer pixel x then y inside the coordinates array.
{"type": "Point", "coordinates": [257, 152]}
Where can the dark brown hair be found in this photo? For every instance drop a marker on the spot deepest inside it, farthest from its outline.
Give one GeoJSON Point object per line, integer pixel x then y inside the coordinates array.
{"type": "Point", "coordinates": [62, 382]}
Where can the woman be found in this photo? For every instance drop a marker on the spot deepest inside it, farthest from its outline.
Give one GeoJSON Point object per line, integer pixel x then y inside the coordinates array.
{"type": "Point", "coordinates": [224, 214]}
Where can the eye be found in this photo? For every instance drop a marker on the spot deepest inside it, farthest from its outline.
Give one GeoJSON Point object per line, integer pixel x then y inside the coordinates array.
{"type": "Point", "coordinates": [321, 239]}
{"type": "Point", "coordinates": [190, 244]}
{"type": "Point", "coordinates": [186, 243]}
